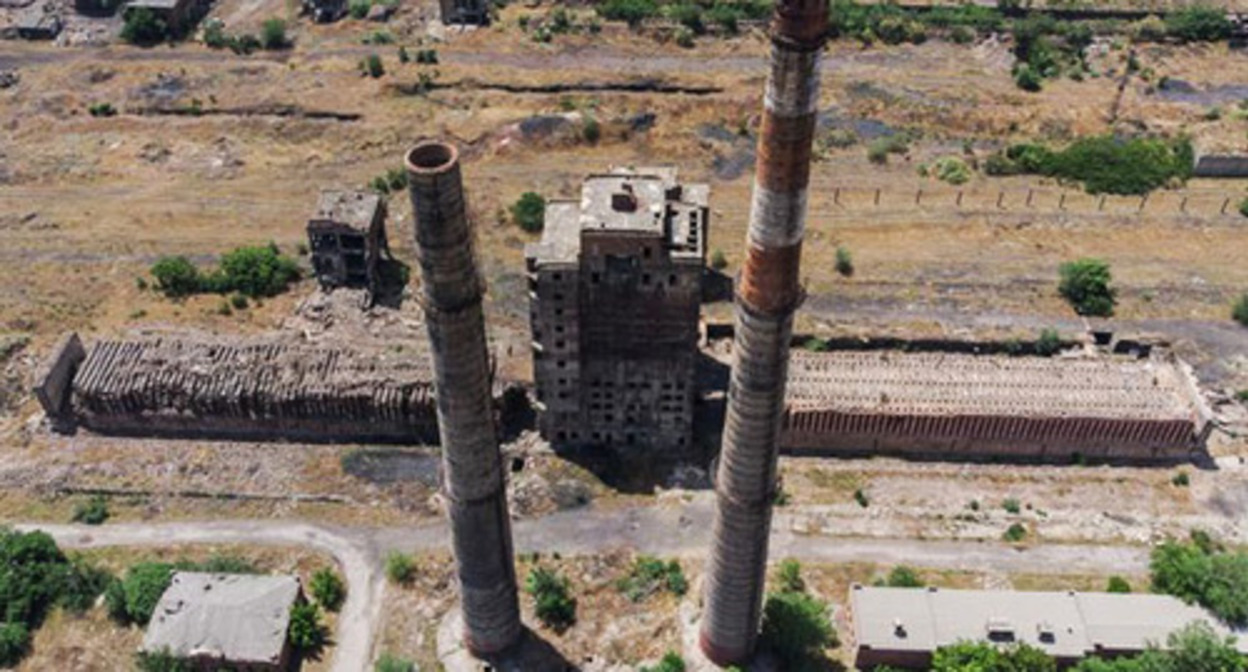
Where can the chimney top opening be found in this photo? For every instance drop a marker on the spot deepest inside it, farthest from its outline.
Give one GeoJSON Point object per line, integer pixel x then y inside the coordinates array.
{"type": "Point", "coordinates": [432, 157]}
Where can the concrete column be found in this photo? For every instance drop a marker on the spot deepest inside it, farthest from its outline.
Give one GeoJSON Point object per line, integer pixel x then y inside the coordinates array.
{"type": "Point", "coordinates": [473, 480]}
{"type": "Point", "coordinates": [767, 295]}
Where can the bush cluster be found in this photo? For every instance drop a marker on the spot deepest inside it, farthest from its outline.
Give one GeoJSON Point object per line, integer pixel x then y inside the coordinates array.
{"type": "Point", "coordinates": [796, 626]}
{"type": "Point", "coordinates": [307, 631]}
{"type": "Point", "coordinates": [143, 27]}
{"type": "Point", "coordinates": [671, 662]}
{"type": "Point", "coordinates": [259, 271]}
{"type": "Point", "coordinates": [133, 598]}
{"type": "Point", "coordinates": [389, 662]}
{"type": "Point", "coordinates": [393, 180]}
{"type": "Point", "coordinates": [328, 589]}
{"type": "Point", "coordinates": [400, 568]}
{"type": "Point", "coordinates": [1104, 164]}
{"type": "Point", "coordinates": [94, 511]}
{"type": "Point", "coordinates": [649, 575]}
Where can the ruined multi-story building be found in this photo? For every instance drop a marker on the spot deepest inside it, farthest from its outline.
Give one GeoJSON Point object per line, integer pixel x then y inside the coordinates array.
{"type": "Point", "coordinates": [347, 236]}
{"type": "Point", "coordinates": [614, 288]}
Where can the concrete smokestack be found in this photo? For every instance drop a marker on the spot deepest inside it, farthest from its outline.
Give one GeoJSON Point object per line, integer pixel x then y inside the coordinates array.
{"type": "Point", "coordinates": [767, 295]}
{"type": "Point", "coordinates": [471, 463]}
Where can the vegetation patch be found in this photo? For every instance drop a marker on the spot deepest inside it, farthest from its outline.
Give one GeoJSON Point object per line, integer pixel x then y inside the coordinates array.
{"type": "Point", "coordinates": [1104, 164]}
{"type": "Point", "coordinates": [259, 271]}
{"type": "Point", "coordinates": [552, 598]}
{"type": "Point", "coordinates": [649, 575]}
{"type": "Point", "coordinates": [796, 626]}
{"type": "Point", "coordinates": [1085, 284]}
{"type": "Point", "coordinates": [1203, 571]}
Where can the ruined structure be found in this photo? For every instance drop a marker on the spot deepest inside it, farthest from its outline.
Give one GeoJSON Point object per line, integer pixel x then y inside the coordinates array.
{"type": "Point", "coordinates": [474, 12]}
{"type": "Point", "coordinates": [179, 15]}
{"type": "Point", "coordinates": [972, 406]}
{"type": "Point", "coordinates": [473, 482]}
{"type": "Point", "coordinates": [614, 290]}
{"type": "Point", "coordinates": [767, 294]}
{"type": "Point", "coordinates": [347, 236]}
{"type": "Point", "coordinates": [242, 389]}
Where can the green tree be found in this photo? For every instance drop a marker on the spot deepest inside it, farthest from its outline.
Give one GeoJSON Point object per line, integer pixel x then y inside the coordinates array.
{"type": "Point", "coordinates": [372, 66]}
{"type": "Point", "coordinates": [844, 261]}
{"type": "Point", "coordinates": [307, 631]}
{"type": "Point", "coordinates": [529, 212]}
{"type": "Point", "coordinates": [1199, 24]}
{"type": "Point", "coordinates": [554, 604]}
{"type": "Point", "coordinates": [718, 261]}
{"type": "Point", "coordinates": [176, 277]}
{"type": "Point", "coordinates": [258, 271]}
{"type": "Point", "coordinates": [1049, 343]}
{"type": "Point", "coordinates": [1016, 532]}
{"type": "Point", "coordinates": [273, 34]}
{"type": "Point", "coordinates": [1085, 284]}
{"type": "Point", "coordinates": [796, 627]}
{"type": "Point", "coordinates": [328, 589]}
{"type": "Point", "coordinates": [1197, 648]}
{"type": "Point", "coordinates": [143, 27]}
{"type": "Point", "coordinates": [83, 584]}
{"type": "Point", "coordinates": [631, 11]}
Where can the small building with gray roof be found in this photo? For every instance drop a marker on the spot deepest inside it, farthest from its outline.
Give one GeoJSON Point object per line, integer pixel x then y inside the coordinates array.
{"type": "Point", "coordinates": [239, 620]}
{"type": "Point", "coordinates": [903, 627]}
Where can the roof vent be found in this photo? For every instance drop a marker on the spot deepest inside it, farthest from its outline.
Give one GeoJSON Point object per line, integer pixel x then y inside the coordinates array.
{"type": "Point", "coordinates": [624, 200]}
{"type": "Point", "coordinates": [899, 628]}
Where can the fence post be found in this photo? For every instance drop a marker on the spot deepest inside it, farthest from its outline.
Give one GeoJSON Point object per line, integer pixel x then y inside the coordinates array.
{"type": "Point", "coordinates": [1000, 198]}
{"type": "Point", "coordinates": [1101, 205]}
{"type": "Point", "coordinates": [836, 196]}
{"type": "Point", "coordinates": [1030, 193]}
{"type": "Point", "coordinates": [1183, 205]}
{"type": "Point", "coordinates": [918, 196]}
{"type": "Point", "coordinates": [877, 196]}
{"type": "Point", "coordinates": [1061, 202]}
{"type": "Point", "coordinates": [1225, 204]}
{"type": "Point", "coordinates": [959, 198]}
{"type": "Point", "coordinates": [1143, 202]}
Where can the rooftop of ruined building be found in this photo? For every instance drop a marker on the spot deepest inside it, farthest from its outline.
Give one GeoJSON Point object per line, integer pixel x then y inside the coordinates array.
{"type": "Point", "coordinates": [641, 201]}
{"type": "Point", "coordinates": [234, 618]}
{"type": "Point", "coordinates": [890, 382]}
{"type": "Point", "coordinates": [356, 209]}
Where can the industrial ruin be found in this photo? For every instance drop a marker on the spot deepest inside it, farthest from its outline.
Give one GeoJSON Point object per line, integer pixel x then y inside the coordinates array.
{"type": "Point", "coordinates": [240, 389]}
{"type": "Point", "coordinates": [474, 482]}
{"type": "Point", "coordinates": [960, 406]}
{"type": "Point", "coordinates": [615, 286]}
{"type": "Point", "coordinates": [347, 238]}
{"type": "Point", "coordinates": [767, 294]}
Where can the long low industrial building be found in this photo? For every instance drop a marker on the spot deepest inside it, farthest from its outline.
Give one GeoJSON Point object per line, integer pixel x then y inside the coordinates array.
{"type": "Point", "coordinates": [903, 627]}
{"type": "Point", "coordinates": [241, 388]}
{"type": "Point", "coordinates": [962, 406]}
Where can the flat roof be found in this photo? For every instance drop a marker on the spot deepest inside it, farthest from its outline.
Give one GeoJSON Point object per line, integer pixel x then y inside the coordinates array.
{"type": "Point", "coordinates": [238, 618]}
{"type": "Point", "coordinates": [648, 200]}
{"type": "Point", "coordinates": [355, 209]}
{"type": "Point", "coordinates": [1063, 624]}
{"type": "Point", "coordinates": [891, 382]}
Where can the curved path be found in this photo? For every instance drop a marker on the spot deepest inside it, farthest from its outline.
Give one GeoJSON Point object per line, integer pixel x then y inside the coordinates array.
{"type": "Point", "coordinates": [672, 530]}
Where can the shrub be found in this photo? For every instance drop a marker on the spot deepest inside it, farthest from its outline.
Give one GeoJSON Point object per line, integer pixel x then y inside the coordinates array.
{"type": "Point", "coordinates": [684, 38]}
{"type": "Point", "coordinates": [1239, 312]}
{"type": "Point", "coordinates": [631, 11]}
{"type": "Point", "coordinates": [307, 631]}
{"type": "Point", "coordinates": [160, 661]}
{"type": "Point", "coordinates": [1243, 207]}
{"type": "Point", "coordinates": [1011, 505]}
{"type": "Point", "coordinates": [94, 511]}
{"type": "Point", "coordinates": [378, 37]}
{"type": "Point", "coordinates": [33, 574]}
{"type": "Point", "coordinates": [176, 276]}
{"type": "Point", "coordinates": [1148, 29]}
{"type": "Point", "coordinates": [962, 35]}
{"type": "Point", "coordinates": [372, 66]}
{"type": "Point", "coordinates": [101, 110]}
{"type": "Point", "coordinates": [143, 27]}
{"type": "Point", "coordinates": [879, 148]}
{"type": "Point", "coordinates": [649, 575]}
{"type": "Point", "coordinates": [1117, 584]}
{"type": "Point", "coordinates": [258, 271]}
{"type": "Point", "coordinates": [427, 56]}
{"type": "Point", "coordinates": [389, 662]}
{"type": "Point", "coordinates": [725, 16]}
{"type": "Point", "coordinates": [688, 15]}
{"type": "Point", "coordinates": [718, 261]}
{"type": "Point", "coordinates": [529, 212]}
{"type": "Point", "coordinates": [83, 584]}
{"type": "Point", "coordinates": [1028, 78]}
{"type": "Point", "coordinates": [1104, 164]}
{"type": "Point", "coordinates": [902, 576]}
{"type": "Point", "coordinates": [359, 8]}
{"type": "Point", "coordinates": [671, 662]}
{"type": "Point", "coordinates": [1049, 342]}
{"type": "Point", "coordinates": [214, 36]}
{"type": "Point", "coordinates": [328, 589]}
{"type": "Point", "coordinates": [142, 587]}
{"type": "Point", "coordinates": [591, 131]}
{"type": "Point", "coordinates": [238, 301]}
{"type": "Point", "coordinates": [553, 604]}
{"type": "Point", "coordinates": [115, 601]}
{"type": "Point", "coordinates": [844, 261]}
{"type": "Point", "coordinates": [951, 169]}
{"type": "Point", "coordinates": [1085, 284]}
{"type": "Point", "coordinates": [789, 576]}
{"type": "Point", "coordinates": [273, 34]}
{"type": "Point", "coordinates": [965, 656]}
{"type": "Point", "coordinates": [243, 44]}
{"type": "Point", "coordinates": [403, 55]}
{"type": "Point", "coordinates": [796, 627]}
{"type": "Point", "coordinates": [1198, 24]}
{"type": "Point", "coordinates": [400, 568]}
{"type": "Point", "coordinates": [1180, 480]}
{"type": "Point", "coordinates": [861, 498]}
{"type": "Point", "coordinates": [1015, 532]}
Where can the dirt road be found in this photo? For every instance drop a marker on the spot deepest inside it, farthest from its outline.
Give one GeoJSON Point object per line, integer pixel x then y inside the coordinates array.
{"type": "Point", "coordinates": [670, 530]}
